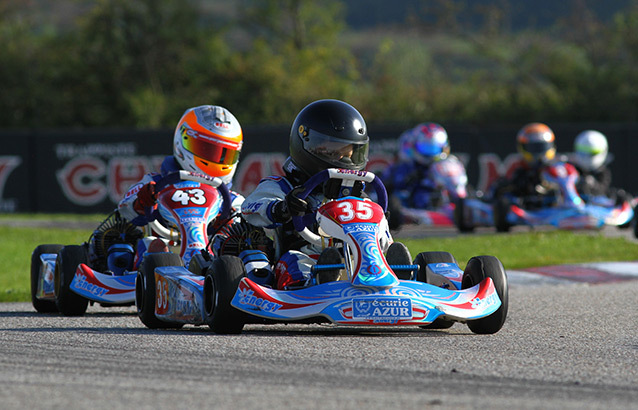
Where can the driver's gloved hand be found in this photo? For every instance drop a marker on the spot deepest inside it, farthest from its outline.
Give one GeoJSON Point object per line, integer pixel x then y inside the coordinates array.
{"type": "Point", "coordinates": [295, 205]}
{"type": "Point", "coordinates": [291, 206]}
{"type": "Point", "coordinates": [146, 197]}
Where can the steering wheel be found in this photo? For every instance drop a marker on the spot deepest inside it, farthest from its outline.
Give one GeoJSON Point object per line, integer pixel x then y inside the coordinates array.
{"type": "Point", "coordinates": [342, 174]}
{"type": "Point", "coordinates": [182, 175]}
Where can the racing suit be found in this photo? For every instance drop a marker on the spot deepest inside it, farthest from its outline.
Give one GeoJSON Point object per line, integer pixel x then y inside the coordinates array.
{"type": "Point", "coordinates": [597, 183]}
{"type": "Point", "coordinates": [298, 256]}
{"type": "Point", "coordinates": [528, 187]}
{"type": "Point", "coordinates": [412, 184]}
{"type": "Point", "coordinates": [594, 183]}
{"type": "Point", "coordinates": [127, 209]}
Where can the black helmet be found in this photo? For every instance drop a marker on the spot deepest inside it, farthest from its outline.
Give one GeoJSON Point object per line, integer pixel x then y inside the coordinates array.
{"type": "Point", "coordinates": [329, 134]}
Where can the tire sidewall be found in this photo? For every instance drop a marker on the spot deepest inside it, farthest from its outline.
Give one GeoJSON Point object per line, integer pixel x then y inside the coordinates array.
{"type": "Point", "coordinates": [145, 289]}
{"type": "Point", "coordinates": [41, 306]}
{"type": "Point", "coordinates": [67, 301]}
{"type": "Point", "coordinates": [478, 268]}
{"type": "Point", "coordinates": [220, 285]}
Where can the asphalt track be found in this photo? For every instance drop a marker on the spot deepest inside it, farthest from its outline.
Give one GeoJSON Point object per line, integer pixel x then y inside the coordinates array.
{"type": "Point", "coordinates": [567, 344]}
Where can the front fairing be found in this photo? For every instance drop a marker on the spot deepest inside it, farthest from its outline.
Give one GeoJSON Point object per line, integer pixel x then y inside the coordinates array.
{"type": "Point", "coordinates": [189, 207]}
{"type": "Point", "coordinates": [359, 223]}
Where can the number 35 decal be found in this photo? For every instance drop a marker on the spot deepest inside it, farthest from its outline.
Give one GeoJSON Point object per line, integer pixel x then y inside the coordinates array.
{"type": "Point", "coordinates": [363, 211]}
{"type": "Point", "coordinates": [196, 196]}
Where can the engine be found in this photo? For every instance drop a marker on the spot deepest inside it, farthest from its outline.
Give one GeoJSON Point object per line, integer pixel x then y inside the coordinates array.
{"type": "Point", "coordinates": [113, 230]}
{"type": "Point", "coordinates": [239, 236]}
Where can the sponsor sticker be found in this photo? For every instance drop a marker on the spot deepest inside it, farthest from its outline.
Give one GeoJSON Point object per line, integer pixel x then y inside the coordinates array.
{"type": "Point", "coordinates": [247, 297]}
{"type": "Point", "coordinates": [381, 309]}
{"type": "Point", "coordinates": [80, 283]}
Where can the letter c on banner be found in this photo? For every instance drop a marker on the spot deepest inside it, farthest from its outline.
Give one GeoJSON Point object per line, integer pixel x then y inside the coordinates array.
{"type": "Point", "coordinates": [80, 180]}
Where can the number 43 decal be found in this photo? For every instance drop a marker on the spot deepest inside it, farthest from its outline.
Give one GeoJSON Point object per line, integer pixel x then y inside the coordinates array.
{"type": "Point", "coordinates": [363, 211]}
{"type": "Point", "coordinates": [196, 196]}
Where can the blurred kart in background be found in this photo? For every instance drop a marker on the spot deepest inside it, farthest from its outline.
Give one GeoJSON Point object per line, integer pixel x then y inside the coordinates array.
{"type": "Point", "coordinates": [452, 202]}
{"type": "Point", "coordinates": [566, 211]}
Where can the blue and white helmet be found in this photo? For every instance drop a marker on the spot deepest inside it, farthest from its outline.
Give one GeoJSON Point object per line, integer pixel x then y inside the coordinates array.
{"type": "Point", "coordinates": [429, 143]}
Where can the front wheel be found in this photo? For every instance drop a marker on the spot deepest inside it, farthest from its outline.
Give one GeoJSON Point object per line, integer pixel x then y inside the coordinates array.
{"type": "Point", "coordinates": [399, 254]}
{"type": "Point", "coordinates": [478, 268]}
{"type": "Point", "coordinates": [145, 291]}
{"type": "Point", "coordinates": [40, 305]}
{"type": "Point", "coordinates": [220, 284]}
{"type": "Point", "coordinates": [423, 259]}
{"type": "Point", "coordinates": [67, 301]}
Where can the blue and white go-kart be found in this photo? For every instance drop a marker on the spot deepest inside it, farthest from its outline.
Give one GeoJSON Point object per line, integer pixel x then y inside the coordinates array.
{"type": "Point", "coordinates": [378, 289]}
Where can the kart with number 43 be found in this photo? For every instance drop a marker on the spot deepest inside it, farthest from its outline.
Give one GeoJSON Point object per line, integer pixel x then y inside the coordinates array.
{"type": "Point", "coordinates": [67, 279]}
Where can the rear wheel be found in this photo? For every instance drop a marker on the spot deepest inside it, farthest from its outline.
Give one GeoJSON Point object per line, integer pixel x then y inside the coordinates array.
{"type": "Point", "coordinates": [67, 301]}
{"type": "Point", "coordinates": [40, 305]}
{"type": "Point", "coordinates": [462, 217]}
{"type": "Point", "coordinates": [423, 259]}
{"type": "Point", "coordinates": [501, 209]}
{"type": "Point", "coordinates": [478, 268]}
{"type": "Point", "coordinates": [220, 285]}
{"type": "Point", "coordinates": [145, 291]}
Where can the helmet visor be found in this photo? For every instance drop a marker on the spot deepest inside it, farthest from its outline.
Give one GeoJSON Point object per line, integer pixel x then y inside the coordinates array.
{"type": "Point", "coordinates": [586, 149]}
{"type": "Point", "coordinates": [539, 147]}
{"type": "Point", "coordinates": [210, 148]}
{"type": "Point", "coordinates": [337, 152]}
{"type": "Point", "coordinates": [428, 148]}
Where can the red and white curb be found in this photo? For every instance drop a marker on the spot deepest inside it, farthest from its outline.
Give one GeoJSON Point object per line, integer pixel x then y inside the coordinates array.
{"type": "Point", "coordinates": [599, 272]}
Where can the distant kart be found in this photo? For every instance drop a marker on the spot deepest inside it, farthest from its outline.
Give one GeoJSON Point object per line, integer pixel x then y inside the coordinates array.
{"type": "Point", "coordinates": [453, 206]}
{"type": "Point", "coordinates": [66, 279]}
{"type": "Point", "coordinates": [379, 290]}
{"type": "Point", "coordinates": [571, 212]}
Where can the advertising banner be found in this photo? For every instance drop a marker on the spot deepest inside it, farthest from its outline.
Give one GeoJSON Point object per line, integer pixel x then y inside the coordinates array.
{"type": "Point", "coordinates": [88, 171]}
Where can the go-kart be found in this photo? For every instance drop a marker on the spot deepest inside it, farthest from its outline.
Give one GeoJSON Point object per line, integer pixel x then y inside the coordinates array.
{"type": "Point", "coordinates": [66, 279]}
{"type": "Point", "coordinates": [568, 211]}
{"type": "Point", "coordinates": [379, 290]}
{"type": "Point", "coordinates": [450, 204]}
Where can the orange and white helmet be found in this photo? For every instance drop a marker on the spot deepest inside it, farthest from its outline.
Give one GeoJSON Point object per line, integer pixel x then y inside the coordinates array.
{"type": "Point", "coordinates": [208, 139]}
{"type": "Point", "coordinates": [535, 142]}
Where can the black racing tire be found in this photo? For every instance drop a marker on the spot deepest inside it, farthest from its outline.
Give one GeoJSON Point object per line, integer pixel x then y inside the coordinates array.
{"type": "Point", "coordinates": [423, 259]}
{"type": "Point", "coordinates": [500, 210]}
{"type": "Point", "coordinates": [395, 213]}
{"type": "Point", "coordinates": [399, 254]}
{"type": "Point", "coordinates": [198, 265]}
{"type": "Point", "coordinates": [477, 269]}
{"type": "Point", "coordinates": [40, 305]}
{"type": "Point", "coordinates": [146, 293]}
{"type": "Point", "coordinates": [635, 224]}
{"type": "Point", "coordinates": [220, 284]}
{"type": "Point", "coordinates": [462, 221]}
{"type": "Point", "coordinates": [67, 301]}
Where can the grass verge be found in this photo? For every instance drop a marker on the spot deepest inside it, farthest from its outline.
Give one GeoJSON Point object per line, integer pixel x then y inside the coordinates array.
{"type": "Point", "coordinates": [532, 249]}
{"type": "Point", "coordinates": [515, 250]}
